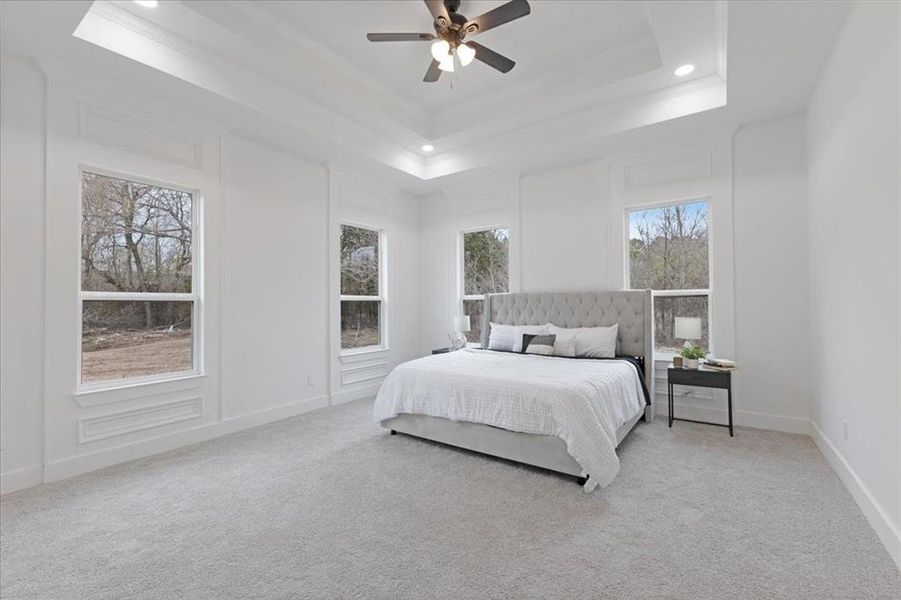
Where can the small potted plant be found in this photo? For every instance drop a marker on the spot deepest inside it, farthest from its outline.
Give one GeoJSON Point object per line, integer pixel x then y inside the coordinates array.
{"type": "Point", "coordinates": [691, 355]}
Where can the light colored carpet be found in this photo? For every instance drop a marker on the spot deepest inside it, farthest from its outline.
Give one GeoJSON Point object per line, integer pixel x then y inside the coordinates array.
{"type": "Point", "coordinates": [328, 505]}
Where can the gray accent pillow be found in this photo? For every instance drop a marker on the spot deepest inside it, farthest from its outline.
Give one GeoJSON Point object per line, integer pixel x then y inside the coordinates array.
{"type": "Point", "coordinates": [538, 344]}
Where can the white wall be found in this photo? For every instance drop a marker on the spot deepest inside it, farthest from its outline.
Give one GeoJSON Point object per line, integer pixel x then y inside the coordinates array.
{"type": "Point", "coordinates": [771, 292]}
{"type": "Point", "coordinates": [275, 311]}
{"type": "Point", "coordinates": [853, 148]}
{"type": "Point", "coordinates": [267, 338]}
{"type": "Point", "coordinates": [21, 271]}
{"type": "Point", "coordinates": [563, 218]}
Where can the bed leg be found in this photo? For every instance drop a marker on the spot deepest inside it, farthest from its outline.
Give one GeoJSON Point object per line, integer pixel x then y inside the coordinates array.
{"type": "Point", "coordinates": [393, 432]}
{"type": "Point", "coordinates": [582, 480]}
{"type": "Point", "coordinates": [648, 413]}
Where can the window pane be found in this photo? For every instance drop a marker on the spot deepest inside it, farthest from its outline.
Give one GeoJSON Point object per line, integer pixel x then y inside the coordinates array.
{"type": "Point", "coordinates": [360, 323]}
{"type": "Point", "coordinates": [359, 261]}
{"type": "Point", "coordinates": [120, 340]}
{"type": "Point", "coordinates": [668, 248]}
{"type": "Point", "coordinates": [485, 255]}
{"type": "Point", "coordinates": [666, 309]}
{"type": "Point", "coordinates": [135, 237]}
{"type": "Point", "coordinates": [473, 308]}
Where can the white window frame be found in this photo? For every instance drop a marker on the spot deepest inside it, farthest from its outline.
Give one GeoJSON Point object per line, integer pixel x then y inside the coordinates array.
{"type": "Point", "coordinates": [381, 298]}
{"type": "Point", "coordinates": [461, 275]}
{"type": "Point", "coordinates": [658, 355]}
{"type": "Point", "coordinates": [195, 296]}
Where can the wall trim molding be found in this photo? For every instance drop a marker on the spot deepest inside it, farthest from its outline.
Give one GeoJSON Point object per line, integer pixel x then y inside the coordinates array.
{"type": "Point", "coordinates": [19, 479]}
{"type": "Point", "coordinates": [123, 422]}
{"type": "Point", "coordinates": [741, 418]}
{"type": "Point", "coordinates": [91, 461]}
{"type": "Point", "coordinates": [888, 533]}
{"type": "Point", "coordinates": [356, 393]}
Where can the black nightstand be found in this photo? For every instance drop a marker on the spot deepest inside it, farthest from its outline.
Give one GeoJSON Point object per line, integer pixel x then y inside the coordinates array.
{"type": "Point", "coordinates": [700, 377]}
{"type": "Point", "coordinates": [440, 350]}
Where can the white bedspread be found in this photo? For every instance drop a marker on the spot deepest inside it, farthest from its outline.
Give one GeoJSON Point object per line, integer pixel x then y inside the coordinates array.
{"type": "Point", "coordinates": [582, 402]}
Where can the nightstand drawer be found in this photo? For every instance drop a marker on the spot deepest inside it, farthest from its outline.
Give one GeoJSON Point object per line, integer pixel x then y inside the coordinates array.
{"type": "Point", "coordinates": [699, 377]}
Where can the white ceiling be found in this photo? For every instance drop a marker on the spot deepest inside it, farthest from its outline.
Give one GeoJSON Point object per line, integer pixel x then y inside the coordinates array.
{"type": "Point", "coordinates": [302, 77]}
{"type": "Point", "coordinates": [552, 36]}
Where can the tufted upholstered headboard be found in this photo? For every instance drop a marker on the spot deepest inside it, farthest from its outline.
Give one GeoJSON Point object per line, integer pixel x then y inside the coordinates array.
{"type": "Point", "coordinates": [630, 308]}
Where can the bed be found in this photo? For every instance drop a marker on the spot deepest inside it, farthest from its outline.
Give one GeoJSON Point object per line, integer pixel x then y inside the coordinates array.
{"type": "Point", "coordinates": [563, 414]}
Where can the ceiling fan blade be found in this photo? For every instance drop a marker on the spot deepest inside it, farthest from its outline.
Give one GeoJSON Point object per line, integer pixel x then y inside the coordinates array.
{"type": "Point", "coordinates": [400, 37]}
{"type": "Point", "coordinates": [491, 58]}
{"type": "Point", "coordinates": [494, 18]}
{"type": "Point", "coordinates": [433, 72]}
{"type": "Point", "coordinates": [438, 10]}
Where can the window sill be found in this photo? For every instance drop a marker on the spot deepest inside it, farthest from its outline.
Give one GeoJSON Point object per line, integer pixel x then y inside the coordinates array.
{"type": "Point", "coordinates": [84, 394]}
{"type": "Point", "coordinates": [370, 350]}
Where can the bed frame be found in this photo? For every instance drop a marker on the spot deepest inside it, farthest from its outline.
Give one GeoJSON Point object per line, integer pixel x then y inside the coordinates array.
{"type": "Point", "coordinates": [630, 308]}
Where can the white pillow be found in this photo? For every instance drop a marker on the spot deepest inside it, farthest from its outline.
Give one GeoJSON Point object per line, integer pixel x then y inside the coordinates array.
{"type": "Point", "coordinates": [564, 345]}
{"type": "Point", "coordinates": [502, 337]}
{"type": "Point", "coordinates": [518, 330]}
{"type": "Point", "coordinates": [591, 342]}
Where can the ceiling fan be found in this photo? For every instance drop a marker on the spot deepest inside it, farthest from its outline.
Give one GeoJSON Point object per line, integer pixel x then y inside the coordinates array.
{"type": "Point", "coordinates": [450, 30]}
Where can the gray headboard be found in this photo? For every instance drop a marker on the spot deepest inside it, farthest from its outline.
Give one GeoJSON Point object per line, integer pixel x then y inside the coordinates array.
{"type": "Point", "coordinates": [630, 308]}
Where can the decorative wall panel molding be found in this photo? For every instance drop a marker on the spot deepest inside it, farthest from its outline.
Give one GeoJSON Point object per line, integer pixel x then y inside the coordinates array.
{"type": "Point", "coordinates": [362, 372]}
{"type": "Point", "coordinates": [91, 429]}
{"type": "Point", "coordinates": [671, 170]}
{"type": "Point", "coordinates": [144, 135]}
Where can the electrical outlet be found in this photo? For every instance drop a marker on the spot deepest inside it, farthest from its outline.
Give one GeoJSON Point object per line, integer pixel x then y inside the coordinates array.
{"type": "Point", "coordinates": [845, 429]}
{"type": "Point", "coordinates": [309, 381]}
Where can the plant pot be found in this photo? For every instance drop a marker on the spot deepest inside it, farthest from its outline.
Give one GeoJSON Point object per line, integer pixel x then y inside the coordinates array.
{"type": "Point", "coordinates": [677, 362]}
{"type": "Point", "coordinates": [690, 363]}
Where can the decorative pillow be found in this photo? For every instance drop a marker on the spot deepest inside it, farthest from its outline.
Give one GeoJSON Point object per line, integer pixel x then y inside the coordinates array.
{"type": "Point", "coordinates": [590, 342]}
{"type": "Point", "coordinates": [520, 330]}
{"type": "Point", "coordinates": [538, 344]}
{"type": "Point", "coordinates": [502, 337]}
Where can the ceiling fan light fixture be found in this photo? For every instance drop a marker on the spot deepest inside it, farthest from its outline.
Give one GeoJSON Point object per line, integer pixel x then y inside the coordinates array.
{"type": "Point", "coordinates": [440, 50]}
{"type": "Point", "coordinates": [465, 54]}
{"type": "Point", "coordinates": [427, 147]}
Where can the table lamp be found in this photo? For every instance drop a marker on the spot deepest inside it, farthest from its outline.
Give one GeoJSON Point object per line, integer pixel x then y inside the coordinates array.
{"type": "Point", "coordinates": [462, 326]}
{"type": "Point", "coordinates": [688, 328]}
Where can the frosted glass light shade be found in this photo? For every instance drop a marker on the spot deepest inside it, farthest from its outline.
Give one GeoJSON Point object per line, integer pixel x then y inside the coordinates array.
{"type": "Point", "coordinates": [465, 54]}
{"type": "Point", "coordinates": [688, 328]}
{"type": "Point", "coordinates": [440, 50]}
{"type": "Point", "coordinates": [447, 63]}
{"type": "Point", "coordinates": [462, 323]}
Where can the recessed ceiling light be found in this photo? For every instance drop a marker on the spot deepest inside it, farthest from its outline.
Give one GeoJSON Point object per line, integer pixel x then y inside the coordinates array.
{"type": "Point", "coordinates": [684, 70]}
{"type": "Point", "coordinates": [147, 3]}
{"type": "Point", "coordinates": [427, 147]}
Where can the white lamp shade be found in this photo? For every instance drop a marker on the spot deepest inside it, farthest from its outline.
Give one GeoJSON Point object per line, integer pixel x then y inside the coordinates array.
{"type": "Point", "coordinates": [465, 54]}
{"type": "Point", "coordinates": [461, 323]}
{"type": "Point", "coordinates": [440, 50]}
{"type": "Point", "coordinates": [688, 328]}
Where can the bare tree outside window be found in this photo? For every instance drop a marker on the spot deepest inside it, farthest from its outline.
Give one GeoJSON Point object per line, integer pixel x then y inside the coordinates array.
{"type": "Point", "coordinates": [136, 279]}
{"type": "Point", "coordinates": [361, 302]}
{"type": "Point", "coordinates": [669, 254]}
{"type": "Point", "coordinates": [485, 271]}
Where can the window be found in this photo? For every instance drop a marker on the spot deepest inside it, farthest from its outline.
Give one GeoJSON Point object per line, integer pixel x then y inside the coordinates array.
{"type": "Point", "coordinates": [138, 295]}
{"type": "Point", "coordinates": [485, 259]}
{"type": "Point", "coordinates": [668, 253]}
{"type": "Point", "coordinates": [361, 300]}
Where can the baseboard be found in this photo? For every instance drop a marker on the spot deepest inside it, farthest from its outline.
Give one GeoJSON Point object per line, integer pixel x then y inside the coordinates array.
{"type": "Point", "coordinates": [888, 533]}
{"type": "Point", "coordinates": [248, 421]}
{"type": "Point", "coordinates": [85, 463]}
{"type": "Point", "coordinates": [355, 394]}
{"type": "Point", "coordinates": [19, 479]}
{"type": "Point", "coordinates": [740, 418]}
